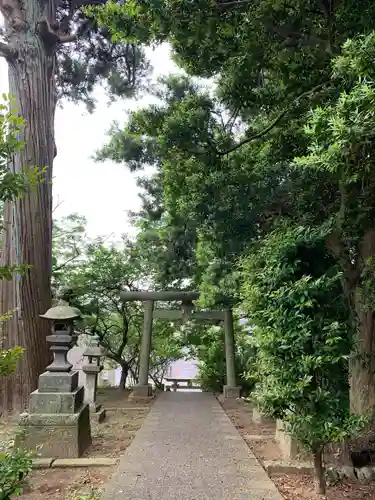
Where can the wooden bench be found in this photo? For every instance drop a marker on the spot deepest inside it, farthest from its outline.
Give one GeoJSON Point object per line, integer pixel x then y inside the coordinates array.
{"type": "Point", "coordinates": [176, 380]}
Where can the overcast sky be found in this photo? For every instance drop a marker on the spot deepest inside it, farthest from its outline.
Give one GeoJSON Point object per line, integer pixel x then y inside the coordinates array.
{"type": "Point", "coordinates": [102, 192]}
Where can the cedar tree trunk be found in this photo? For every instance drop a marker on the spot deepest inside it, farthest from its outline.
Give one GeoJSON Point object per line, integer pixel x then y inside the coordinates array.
{"type": "Point", "coordinates": [30, 53]}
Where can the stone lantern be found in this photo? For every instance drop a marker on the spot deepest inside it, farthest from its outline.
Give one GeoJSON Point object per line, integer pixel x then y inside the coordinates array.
{"type": "Point", "coordinates": [63, 335]}
{"type": "Point", "coordinates": [92, 368]}
{"type": "Point", "coordinates": [187, 308]}
{"type": "Point", "coordinates": [58, 418]}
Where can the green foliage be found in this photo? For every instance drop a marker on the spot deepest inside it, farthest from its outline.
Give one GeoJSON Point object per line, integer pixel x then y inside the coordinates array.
{"type": "Point", "coordinates": [167, 239]}
{"type": "Point", "coordinates": [265, 56]}
{"type": "Point", "coordinates": [12, 185]}
{"type": "Point", "coordinates": [14, 467]}
{"type": "Point", "coordinates": [303, 337]}
{"type": "Point", "coordinates": [176, 202]}
{"type": "Point", "coordinates": [211, 361]}
{"type": "Point", "coordinates": [340, 139]}
{"type": "Point", "coordinates": [8, 360]}
{"type": "Point", "coordinates": [94, 58]}
{"type": "Point", "coordinates": [91, 274]}
{"type": "Point", "coordinates": [69, 241]}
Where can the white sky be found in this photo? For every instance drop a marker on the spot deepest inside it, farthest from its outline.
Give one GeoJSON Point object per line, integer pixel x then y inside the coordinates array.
{"type": "Point", "coordinates": [102, 192]}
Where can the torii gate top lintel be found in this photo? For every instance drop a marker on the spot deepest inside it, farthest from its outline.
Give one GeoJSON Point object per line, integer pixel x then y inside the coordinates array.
{"type": "Point", "coordinates": [165, 296]}
{"type": "Point", "coordinates": [185, 297]}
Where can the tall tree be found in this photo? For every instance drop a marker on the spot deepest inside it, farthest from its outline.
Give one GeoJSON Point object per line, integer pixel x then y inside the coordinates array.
{"type": "Point", "coordinates": [52, 51]}
{"type": "Point", "coordinates": [341, 143]}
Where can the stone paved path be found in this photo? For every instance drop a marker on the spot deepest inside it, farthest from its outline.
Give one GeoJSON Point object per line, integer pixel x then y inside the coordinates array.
{"type": "Point", "coordinates": [188, 449]}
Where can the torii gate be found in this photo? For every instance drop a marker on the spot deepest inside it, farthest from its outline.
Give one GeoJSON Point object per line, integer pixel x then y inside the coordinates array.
{"type": "Point", "coordinates": [143, 388]}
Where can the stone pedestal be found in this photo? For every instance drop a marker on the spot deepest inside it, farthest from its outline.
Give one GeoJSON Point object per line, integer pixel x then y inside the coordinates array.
{"type": "Point", "coordinates": [58, 420]}
{"type": "Point", "coordinates": [290, 447]}
{"type": "Point", "coordinates": [142, 391]}
{"type": "Point", "coordinates": [97, 413]}
{"type": "Point", "coordinates": [259, 417]}
{"type": "Point", "coordinates": [231, 392]}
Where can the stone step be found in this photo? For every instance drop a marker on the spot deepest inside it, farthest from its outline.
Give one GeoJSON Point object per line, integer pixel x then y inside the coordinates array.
{"type": "Point", "coordinates": [46, 463]}
{"type": "Point", "coordinates": [42, 463]}
{"type": "Point", "coordinates": [84, 462]}
{"type": "Point", "coordinates": [258, 437]}
{"type": "Point", "coordinates": [288, 467]}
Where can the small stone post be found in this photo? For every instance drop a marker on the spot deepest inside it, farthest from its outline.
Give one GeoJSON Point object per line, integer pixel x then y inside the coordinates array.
{"type": "Point", "coordinates": [143, 389]}
{"type": "Point", "coordinates": [230, 389]}
{"type": "Point", "coordinates": [58, 419]}
{"type": "Point", "coordinates": [290, 447]}
{"type": "Point", "coordinates": [92, 369]}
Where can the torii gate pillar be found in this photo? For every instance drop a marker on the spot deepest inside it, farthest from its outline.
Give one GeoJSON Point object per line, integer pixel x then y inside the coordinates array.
{"type": "Point", "coordinates": [143, 389]}
{"type": "Point", "coordinates": [231, 390]}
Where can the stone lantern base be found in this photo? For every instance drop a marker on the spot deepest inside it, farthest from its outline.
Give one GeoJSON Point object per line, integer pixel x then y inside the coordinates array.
{"type": "Point", "coordinates": [58, 420]}
{"type": "Point", "coordinates": [97, 413]}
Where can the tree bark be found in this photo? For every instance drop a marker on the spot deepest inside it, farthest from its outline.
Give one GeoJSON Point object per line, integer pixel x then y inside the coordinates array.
{"type": "Point", "coordinates": [320, 480]}
{"type": "Point", "coordinates": [27, 238]}
{"type": "Point", "coordinates": [362, 366]}
{"type": "Point", "coordinates": [124, 376]}
{"type": "Point", "coordinates": [362, 363]}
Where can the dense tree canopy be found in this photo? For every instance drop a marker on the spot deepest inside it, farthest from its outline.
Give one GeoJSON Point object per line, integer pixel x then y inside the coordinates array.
{"type": "Point", "coordinates": [238, 162]}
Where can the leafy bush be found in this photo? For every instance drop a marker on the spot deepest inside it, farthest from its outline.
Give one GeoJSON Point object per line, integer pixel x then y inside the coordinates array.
{"type": "Point", "coordinates": [211, 366]}
{"type": "Point", "coordinates": [303, 337]}
{"type": "Point", "coordinates": [15, 464]}
{"type": "Point", "coordinates": [14, 467]}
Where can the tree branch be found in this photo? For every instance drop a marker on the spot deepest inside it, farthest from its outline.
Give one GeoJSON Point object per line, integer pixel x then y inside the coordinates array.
{"type": "Point", "coordinates": [67, 262]}
{"type": "Point", "coordinates": [47, 33]}
{"type": "Point", "coordinates": [67, 38]}
{"type": "Point", "coordinates": [234, 3]}
{"type": "Point", "coordinates": [7, 51]}
{"type": "Point", "coordinates": [272, 124]}
{"type": "Point", "coordinates": [82, 31]}
{"type": "Point", "coordinates": [124, 339]}
{"type": "Point", "coordinates": [292, 37]}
